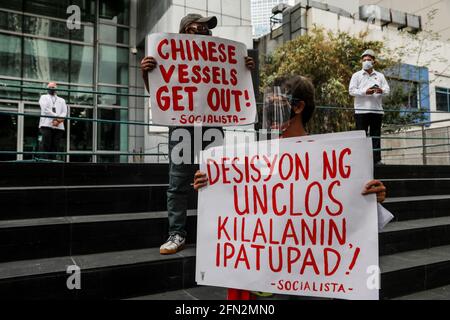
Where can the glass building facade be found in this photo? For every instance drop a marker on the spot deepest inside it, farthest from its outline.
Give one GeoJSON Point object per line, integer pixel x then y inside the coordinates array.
{"type": "Point", "coordinates": [36, 46]}
{"type": "Point", "coordinates": [261, 13]}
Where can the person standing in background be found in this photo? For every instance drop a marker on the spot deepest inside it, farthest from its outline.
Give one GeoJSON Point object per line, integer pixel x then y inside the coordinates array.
{"type": "Point", "coordinates": [369, 87]}
{"type": "Point", "coordinates": [52, 129]}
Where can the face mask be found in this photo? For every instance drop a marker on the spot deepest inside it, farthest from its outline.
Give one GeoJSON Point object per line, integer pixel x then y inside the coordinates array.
{"type": "Point", "coordinates": [51, 92]}
{"type": "Point", "coordinates": [367, 65]}
{"type": "Point", "coordinates": [201, 30]}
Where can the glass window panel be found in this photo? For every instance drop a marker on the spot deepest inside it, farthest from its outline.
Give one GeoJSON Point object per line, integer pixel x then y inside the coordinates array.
{"type": "Point", "coordinates": [81, 98]}
{"type": "Point", "coordinates": [81, 131]}
{"type": "Point", "coordinates": [442, 101]}
{"type": "Point", "coordinates": [8, 132]}
{"type": "Point", "coordinates": [112, 34]}
{"type": "Point", "coordinates": [10, 21]}
{"type": "Point", "coordinates": [407, 92]}
{"type": "Point", "coordinates": [87, 9]}
{"type": "Point", "coordinates": [117, 11]}
{"type": "Point", "coordinates": [113, 100]}
{"type": "Point", "coordinates": [49, 8]}
{"type": "Point", "coordinates": [9, 92]}
{"type": "Point", "coordinates": [32, 91]}
{"type": "Point", "coordinates": [11, 4]}
{"type": "Point", "coordinates": [112, 136]}
{"type": "Point", "coordinates": [80, 158]}
{"type": "Point", "coordinates": [10, 52]}
{"type": "Point", "coordinates": [82, 64]}
{"type": "Point", "coordinates": [58, 8]}
{"type": "Point", "coordinates": [46, 60]}
{"type": "Point", "coordinates": [113, 63]}
{"type": "Point", "coordinates": [108, 159]}
{"type": "Point", "coordinates": [31, 131]}
{"type": "Point", "coordinates": [45, 27]}
{"type": "Point", "coordinates": [84, 34]}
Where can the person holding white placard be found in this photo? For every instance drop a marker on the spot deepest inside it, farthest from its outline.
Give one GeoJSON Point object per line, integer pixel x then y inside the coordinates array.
{"type": "Point", "coordinates": [287, 109]}
{"type": "Point", "coordinates": [180, 174]}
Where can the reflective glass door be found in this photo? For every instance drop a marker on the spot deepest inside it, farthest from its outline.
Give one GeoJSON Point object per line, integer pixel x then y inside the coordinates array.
{"type": "Point", "coordinates": [9, 128]}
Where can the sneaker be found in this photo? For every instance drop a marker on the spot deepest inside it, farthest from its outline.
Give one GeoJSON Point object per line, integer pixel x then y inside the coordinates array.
{"type": "Point", "coordinates": [173, 245]}
{"type": "Point", "coordinates": [263, 294]}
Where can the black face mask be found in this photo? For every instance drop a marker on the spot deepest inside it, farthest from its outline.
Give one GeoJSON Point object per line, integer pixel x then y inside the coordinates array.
{"type": "Point", "coordinates": [51, 92]}
{"type": "Point", "coordinates": [201, 30]}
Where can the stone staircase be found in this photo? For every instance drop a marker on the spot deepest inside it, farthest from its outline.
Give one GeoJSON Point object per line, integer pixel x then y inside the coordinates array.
{"type": "Point", "coordinates": [109, 220]}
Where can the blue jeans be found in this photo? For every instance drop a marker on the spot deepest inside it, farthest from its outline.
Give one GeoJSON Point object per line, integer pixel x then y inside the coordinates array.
{"type": "Point", "coordinates": [181, 175]}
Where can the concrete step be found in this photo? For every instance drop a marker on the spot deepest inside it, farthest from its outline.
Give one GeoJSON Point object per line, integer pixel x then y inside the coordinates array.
{"type": "Point", "coordinates": [210, 294]}
{"type": "Point", "coordinates": [414, 235]}
{"type": "Point", "coordinates": [195, 293]}
{"type": "Point", "coordinates": [60, 201]}
{"type": "Point", "coordinates": [414, 271]}
{"type": "Point", "coordinates": [63, 201]}
{"type": "Point", "coordinates": [215, 293]}
{"type": "Point", "coordinates": [72, 174]}
{"type": "Point", "coordinates": [75, 174]}
{"type": "Point", "coordinates": [56, 237]}
{"type": "Point", "coordinates": [35, 238]}
{"type": "Point", "coordinates": [409, 187]}
{"type": "Point", "coordinates": [416, 172]}
{"type": "Point", "coordinates": [442, 293]}
{"type": "Point", "coordinates": [139, 273]}
{"type": "Point", "coordinates": [418, 207]}
{"type": "Point", "coordinates": [114, 275]}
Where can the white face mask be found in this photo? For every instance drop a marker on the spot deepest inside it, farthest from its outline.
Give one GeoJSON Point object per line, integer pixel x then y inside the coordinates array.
{"type": "Point", "coordinates": [367, 65]}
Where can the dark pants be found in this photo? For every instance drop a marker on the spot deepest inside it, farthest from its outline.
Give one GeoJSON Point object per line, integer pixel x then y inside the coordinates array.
{"type": "Point", "coordinates": [51, 139]}
{"type": "Point", "coordinates": [371, 124]}
{"type": "Point", "coordinates": [181, 175]}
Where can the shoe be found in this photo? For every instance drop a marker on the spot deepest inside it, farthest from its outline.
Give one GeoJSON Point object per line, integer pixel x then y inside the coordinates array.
{"type": "Point", "coordinates": [173, 245]}
{"type": "Point", "coordinates": [379, 163]}
{"type": "Point", "coordinates": [262, 294]}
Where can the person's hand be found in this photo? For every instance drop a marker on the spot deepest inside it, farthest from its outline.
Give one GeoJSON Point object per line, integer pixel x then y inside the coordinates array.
{"type": "Point", "coordinates": [55, 122]}
{"type": "Point", "coordinates": [148, 64]}
{"type": "Point", "coordinates": [200, 180]}
{"type": "Point", "coordinates": [375, 187]}
{"type": "Point", "coordinates": [370, 91]}
{"type": "Point", "coordinates": [250, 63]}
{"type": "Point", "coordinates": [379, 91]}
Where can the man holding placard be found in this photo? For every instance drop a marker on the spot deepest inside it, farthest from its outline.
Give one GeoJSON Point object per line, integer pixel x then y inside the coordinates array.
{"type": "Point", "coordinates": [193, 83]}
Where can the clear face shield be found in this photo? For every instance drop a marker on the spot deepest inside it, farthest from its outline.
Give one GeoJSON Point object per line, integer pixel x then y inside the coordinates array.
{"type": "Point", "coordinates": [277, 111]}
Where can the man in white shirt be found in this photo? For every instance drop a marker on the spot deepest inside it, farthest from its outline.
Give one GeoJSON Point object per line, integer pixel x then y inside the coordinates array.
{"type": "Point", "coordinates": [369, 87]}
{"type": "Point", "coordinates": [52, 129]}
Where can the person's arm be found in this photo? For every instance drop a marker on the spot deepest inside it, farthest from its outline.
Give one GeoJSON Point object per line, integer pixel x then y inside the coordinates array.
{"type": "Point", "coordinates": [355, 90]}
{"type": "Point", "coordinates": [148, 64]}
{"type": "Point", "coordinates": [64, 112]}
{"type": "Point", "coordinates": [46, 107]}
{"type": "Point", "coordinates": [385, 89]}
{"type": "Point", "coordinates": [145, 78]}
{"type": "Point", "coordinates": [200, 180]}
{"type": "Point", "coordinates": [375, 187]}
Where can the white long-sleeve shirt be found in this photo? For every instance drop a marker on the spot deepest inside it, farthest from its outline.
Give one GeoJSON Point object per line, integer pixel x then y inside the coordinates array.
{"type": "Point", "coordinates": [52, 106]}
{"type": "Point", "coordinates": [360, 83]}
